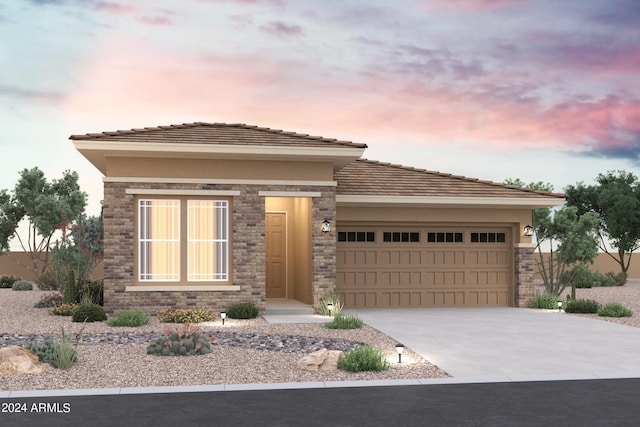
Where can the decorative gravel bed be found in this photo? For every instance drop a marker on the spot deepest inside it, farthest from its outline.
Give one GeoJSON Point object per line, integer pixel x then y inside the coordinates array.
{"type": "Point", "coordinates": [244, 351]}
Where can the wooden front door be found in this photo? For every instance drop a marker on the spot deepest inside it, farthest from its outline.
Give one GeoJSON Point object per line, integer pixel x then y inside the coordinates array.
{"type": "Point", "coordinates": [276, 256]}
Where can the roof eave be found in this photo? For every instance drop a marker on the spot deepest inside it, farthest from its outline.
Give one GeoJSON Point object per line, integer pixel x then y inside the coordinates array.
{"type": "Point", "coordinates": [448, 201]}
{"type": "Point", "coordinates": [97, 152]}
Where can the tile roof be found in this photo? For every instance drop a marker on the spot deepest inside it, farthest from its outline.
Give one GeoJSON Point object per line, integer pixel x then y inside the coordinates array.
{"type": "Point", "coordinates": [371, 178]}
{"type": "Point", "coordinates": [217, 133]}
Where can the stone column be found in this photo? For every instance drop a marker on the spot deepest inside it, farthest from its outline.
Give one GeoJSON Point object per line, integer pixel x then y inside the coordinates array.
{"type": "Point", "coordinates": [524, 274]}
{"type": "Point", "coordinates": [323, 269]}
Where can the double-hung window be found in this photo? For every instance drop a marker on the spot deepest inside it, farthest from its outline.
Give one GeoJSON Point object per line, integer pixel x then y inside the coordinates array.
{"type": "Point", "coordinates": [183, 240]}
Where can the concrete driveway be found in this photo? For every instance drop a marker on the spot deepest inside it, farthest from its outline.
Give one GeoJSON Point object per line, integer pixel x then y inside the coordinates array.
{"type": "Point", "coordinates": [512, 343]}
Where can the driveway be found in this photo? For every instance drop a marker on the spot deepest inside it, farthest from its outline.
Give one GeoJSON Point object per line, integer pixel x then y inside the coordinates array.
{"type": "Point", "coordinates": [516, 343]}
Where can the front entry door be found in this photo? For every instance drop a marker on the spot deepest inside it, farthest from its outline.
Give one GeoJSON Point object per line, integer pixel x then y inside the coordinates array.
{"type": "Point", "coordinates": [276, 256]}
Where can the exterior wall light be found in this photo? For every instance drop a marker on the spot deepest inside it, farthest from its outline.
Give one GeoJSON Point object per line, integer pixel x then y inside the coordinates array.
{"type": "Point", "coordinates": [223, 315]}
{"type": "Point", "coordinates": [326, 226]}
{"type": "Point", "coordinates": [399, 350]}
{"type": "Point", "coordinates": [528, 230]}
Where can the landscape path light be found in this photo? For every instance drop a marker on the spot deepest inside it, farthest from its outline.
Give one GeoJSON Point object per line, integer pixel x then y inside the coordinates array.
{"type": "Point", "coordinates": [399, 350]}
{"type": "Point", "coordinates": [223, 315]}
{"type": "Point", "coordinates": [330, 308]}
{"type": "Point", "coordinates": [559, 306]}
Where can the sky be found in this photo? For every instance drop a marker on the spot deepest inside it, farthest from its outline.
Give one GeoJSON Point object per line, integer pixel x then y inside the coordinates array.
{"type": "Point", "coordinates": [541, 90]}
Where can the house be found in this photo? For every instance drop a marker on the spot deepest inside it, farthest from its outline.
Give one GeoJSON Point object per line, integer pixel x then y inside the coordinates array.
{"type": "Point", "coordinates": [209, 214]}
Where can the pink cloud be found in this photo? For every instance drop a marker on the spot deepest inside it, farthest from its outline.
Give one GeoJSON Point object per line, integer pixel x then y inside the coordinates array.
{"type": "Point", "coordinates": [471, 5]}
{"type": "Point", "coordinates": [154, 88]}
{"type": "Point", "coordinates": [113, 8]}
{"type": "Point", "coordinates": [155, 20]}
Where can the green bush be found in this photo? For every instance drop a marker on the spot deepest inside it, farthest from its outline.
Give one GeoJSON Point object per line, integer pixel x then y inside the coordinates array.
{"type": "Point", "coordinates": [187, 341]}
{"type": "Point", "coordinates": [620, 278]}
{"type": "Point", "coordinates": [89, 312]}
{"type": "Point", "coordinates": [129, 318]}
{"type": "Point", "coordinates": [64, 309]}
{"type": "Point", "coordinates": [48, 301]}
{"type": "Point", "coordinates": [60, 355]}
{"type": "Point", "coordinates": [92, 290]}
{"type": "Point", "coordinates": [22, 285]}
{"type": "Point", "coordinates": [364, 358]}
{"type": "Point", "coordinates": [8, 281]}
{"type": "Point", "coordinates": [243, 310]}
{"type": "Point", "coordinates": [585, 278]}
{"type": "Point", "coordinates": [545, 301]}
{"type": "Point", "coordinates": [344, 322]}
{"type": "Point", "coordinates": [615, 309]}
{"type": "Point", "coordinates": [330, 299]}
{"type": "Point", "coordinates": [191, 315]}
{"type": "Point", "coordinates": [581, 306]}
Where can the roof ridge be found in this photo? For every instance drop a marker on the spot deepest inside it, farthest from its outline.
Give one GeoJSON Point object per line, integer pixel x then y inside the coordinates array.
{"type": "Point", "coordinates": [459, 177]}
{"type": "Point", "coordinates": [215, 124]}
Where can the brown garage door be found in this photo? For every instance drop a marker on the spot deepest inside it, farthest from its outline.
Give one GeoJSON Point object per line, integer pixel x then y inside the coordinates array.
{"type": "Point", "coordinates": [424, 266]}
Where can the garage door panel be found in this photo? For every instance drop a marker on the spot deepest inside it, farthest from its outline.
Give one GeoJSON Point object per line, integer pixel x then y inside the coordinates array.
{"type": "Point", "coordinates": [426, 273]}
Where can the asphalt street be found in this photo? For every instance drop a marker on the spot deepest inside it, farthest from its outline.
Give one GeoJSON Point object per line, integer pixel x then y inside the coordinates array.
{"type": "Point", "coordinates": [612, 402]}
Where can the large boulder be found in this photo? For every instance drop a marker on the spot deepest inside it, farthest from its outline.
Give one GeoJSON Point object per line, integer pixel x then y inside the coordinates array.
{"type": "Point", "coordinates": [321, 360]}
{"type": "Point", "coordinates": [18, 360]}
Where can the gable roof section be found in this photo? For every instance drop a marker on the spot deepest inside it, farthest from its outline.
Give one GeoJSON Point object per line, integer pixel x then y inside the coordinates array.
{"type": "Point", "coordinates": [215, 140]}
{"type": "Point", "coordinates": [367, 182]}
{"type": "Point", "coordinates": [216, 133]}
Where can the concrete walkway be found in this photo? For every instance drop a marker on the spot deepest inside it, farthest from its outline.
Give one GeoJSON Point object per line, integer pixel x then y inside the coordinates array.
{"type": "Point", "coordinates": [513, 343]}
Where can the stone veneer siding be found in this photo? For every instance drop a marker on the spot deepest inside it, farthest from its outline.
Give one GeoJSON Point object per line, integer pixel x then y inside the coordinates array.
{"type": "Point", "coordinates": [524, 269]}
{"type": "Point", "coordinates": [247, 249]}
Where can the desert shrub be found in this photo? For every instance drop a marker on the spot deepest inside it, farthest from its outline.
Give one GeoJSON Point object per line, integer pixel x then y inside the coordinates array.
{"type": "Point", "coordinates": [344, 322]}
{"type": "Point", "coordinates": [8, 281]}
{"type": "Point", "coordinates": [620, 278]}
{"type": "Point", "coordinates": [94, 290]}
{"type": "Point", "coordinates": [190, 315]}
{"type": "Point", "coordinates": [50, 300]}
{"type": "Point", "coordinates": [581, 306]}
{"type": "Point", "coordinates": [364, 358]}
{"type": "Point", "coordinates": [89, 312]}
{"type": "Point", "coordinates": [545, 301]}
{"type": "Point", "coordinates": [129, 318]}
{"type": "Point", "coordinates": [60, 355]}
{"type": "Point", "coordinates": [22, 285]}
{"type": "Point", "coordinates": [64, 309]}
{"type": "Point", "coordinates": [243, 310]}
{"type": "Point", "coordinates": [329, 299]}
{"type": "Point", "coordinates": [48, 281]}
{"type": "Point", "coordinates": [185, 341]}
{"type": "Point", "coordinates": [615, 309]}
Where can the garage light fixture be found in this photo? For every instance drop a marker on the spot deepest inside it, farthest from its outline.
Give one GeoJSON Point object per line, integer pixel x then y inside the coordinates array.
{"type": "Point", "coordinates": [326, 226]}
{"type": "Point", "coordinates": [399, 350]}
{"type": "Point", "coordinates": [528, 230]}
{"type": "Point", "coordinates": [223, 315]}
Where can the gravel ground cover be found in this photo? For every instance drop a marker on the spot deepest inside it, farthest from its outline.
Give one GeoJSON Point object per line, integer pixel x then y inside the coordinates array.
{"type": "Point", "coordinates": [627, 295]}
{"type": "Point", "coordinates": [244, 351]}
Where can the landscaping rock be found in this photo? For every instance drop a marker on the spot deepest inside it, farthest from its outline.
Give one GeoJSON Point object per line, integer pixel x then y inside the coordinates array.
{"type": "Point", "coordinates": [321, 360]}
{"type": "Point", "coordinates": [18, 360]}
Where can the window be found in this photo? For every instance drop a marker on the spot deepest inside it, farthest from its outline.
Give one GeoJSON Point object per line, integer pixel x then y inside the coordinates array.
{"type": "Point", "coordinates": [401, 236]}
{"type": "Point", "coordinates": [488, 237]}
{"type": "Point", "coordinates": [448, 237]}
{"type": "Point", "coordinates": [208, 240]}
{"type": "Point", "coordinates": [161, 244]}
{"type": "Point", "coordinates": [356, 236]}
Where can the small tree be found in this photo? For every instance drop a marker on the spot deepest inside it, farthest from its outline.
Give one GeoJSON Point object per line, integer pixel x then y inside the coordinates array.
{"type": "Point", "coordinates": [46, 206]}
{"type": "Point", "coordinates": [616, 202]}
{"type": "Point", "coordinates": [567, 237]}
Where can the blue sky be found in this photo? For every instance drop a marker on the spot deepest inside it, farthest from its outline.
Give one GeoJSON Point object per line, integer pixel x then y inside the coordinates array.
{"type": "Point", "coordinates": [541, 90]}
